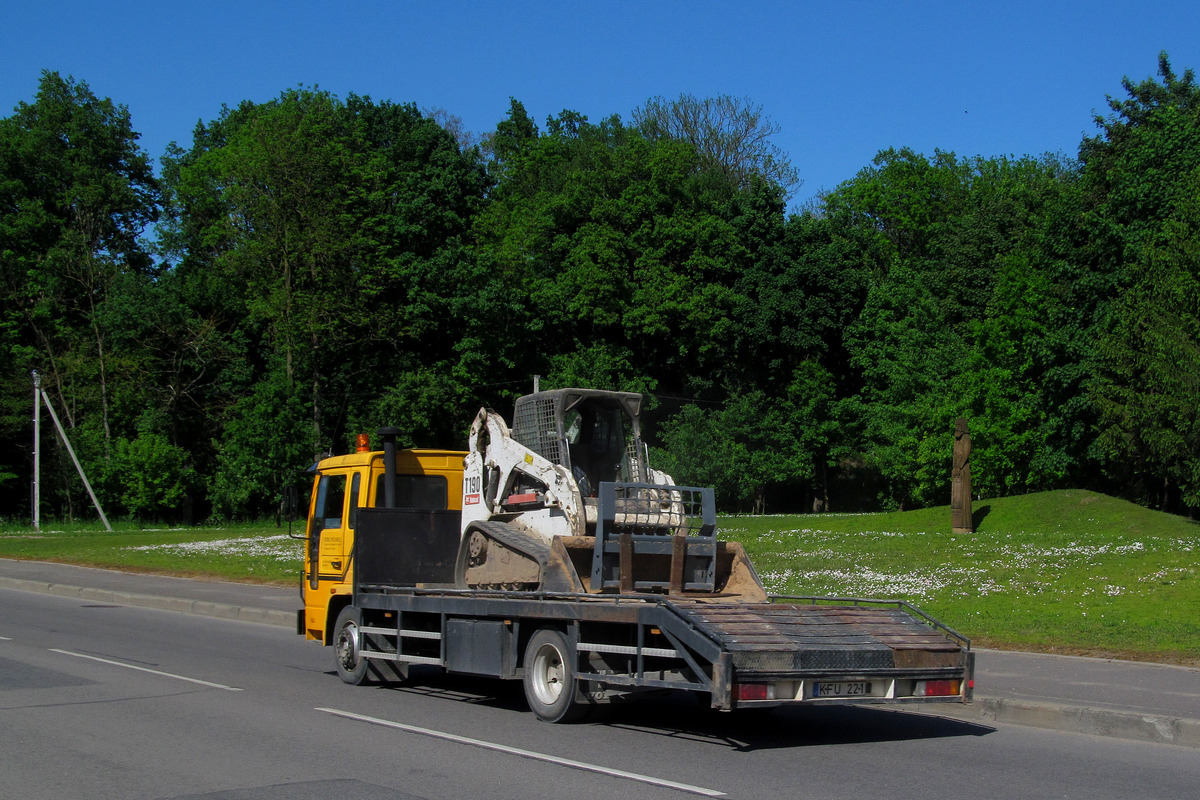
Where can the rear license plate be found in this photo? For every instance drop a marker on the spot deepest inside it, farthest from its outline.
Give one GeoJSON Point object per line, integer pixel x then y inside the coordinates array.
{"type": "Point", "coordinates": [842, 689]}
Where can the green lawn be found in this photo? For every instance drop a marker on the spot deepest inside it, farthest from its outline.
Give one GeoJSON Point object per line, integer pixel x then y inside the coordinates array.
{"type": "Point", "coordinates": [1068, 571]}
{"type": "Point", "coordinates": [253, 553]}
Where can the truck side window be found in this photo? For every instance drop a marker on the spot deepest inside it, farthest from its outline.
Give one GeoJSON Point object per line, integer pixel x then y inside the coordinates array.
{"type": "Point", "coordinates": [331, 499]}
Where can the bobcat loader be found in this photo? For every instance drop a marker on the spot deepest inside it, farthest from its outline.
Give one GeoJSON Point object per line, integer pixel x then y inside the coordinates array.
{"type": "Point", "coordinates": [566, 501]}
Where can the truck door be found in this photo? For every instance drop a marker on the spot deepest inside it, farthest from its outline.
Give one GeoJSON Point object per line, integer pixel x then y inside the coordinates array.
{"type": "Point", "coordinates": [331, 532]}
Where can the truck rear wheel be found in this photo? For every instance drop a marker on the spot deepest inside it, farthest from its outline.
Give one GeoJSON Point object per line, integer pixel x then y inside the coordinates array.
{"type": "Point", "coordinates": [347, 647]}
{"type": "Point", "coordinates": [550, 678]}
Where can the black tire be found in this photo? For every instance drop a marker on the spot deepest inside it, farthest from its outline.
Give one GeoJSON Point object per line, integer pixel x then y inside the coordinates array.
{"type": "Point", "coordinates": [549, 678]}
{"type": "Point", "coordinates": [347, 646]}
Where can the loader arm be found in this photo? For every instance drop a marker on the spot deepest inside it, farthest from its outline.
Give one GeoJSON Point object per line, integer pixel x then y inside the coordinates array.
{"type": "Point", "coordinates": [504, 479]}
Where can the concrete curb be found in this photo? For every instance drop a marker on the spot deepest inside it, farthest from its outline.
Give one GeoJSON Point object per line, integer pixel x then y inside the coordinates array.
{"type": "Point", "coordinates": [1113, 723]}
{"type": "Point", "coordinates": [1067, 718]}
{"type": "Point", "coordinates": [199, 607]}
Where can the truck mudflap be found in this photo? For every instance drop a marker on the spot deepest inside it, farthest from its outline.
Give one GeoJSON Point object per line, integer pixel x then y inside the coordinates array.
{"type": "Point", "coordinates": [816, 650]}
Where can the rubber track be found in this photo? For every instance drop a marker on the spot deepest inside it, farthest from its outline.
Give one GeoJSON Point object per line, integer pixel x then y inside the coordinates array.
{"type": "Point", "coordinates": [528, 545]}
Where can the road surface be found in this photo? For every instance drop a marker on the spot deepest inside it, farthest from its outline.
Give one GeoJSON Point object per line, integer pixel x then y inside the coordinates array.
{"type": "Point", "coordinates": [99, 700]}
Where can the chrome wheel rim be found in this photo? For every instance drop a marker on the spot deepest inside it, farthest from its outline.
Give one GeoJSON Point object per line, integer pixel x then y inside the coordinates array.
{"type": "Point", "coordinates": [548, 674]}
{"type": "Point", "coordinates": [347, 646]}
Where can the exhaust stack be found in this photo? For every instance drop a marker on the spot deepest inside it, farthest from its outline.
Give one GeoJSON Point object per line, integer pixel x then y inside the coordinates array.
{"type": "Point", "coordinates": [389, 435]}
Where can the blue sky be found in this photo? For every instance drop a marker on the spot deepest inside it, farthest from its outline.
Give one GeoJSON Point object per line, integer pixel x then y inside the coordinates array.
{"type": "Point", "coordinates": [844, 79]}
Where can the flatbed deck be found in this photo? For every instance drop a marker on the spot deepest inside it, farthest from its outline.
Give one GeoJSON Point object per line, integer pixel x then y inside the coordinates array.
{"type": "Point", "coordinates": [792, 650]}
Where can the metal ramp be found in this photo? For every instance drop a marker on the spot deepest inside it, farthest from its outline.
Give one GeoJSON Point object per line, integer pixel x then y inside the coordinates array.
{"type": "Point", "coordinates": [798, 637]}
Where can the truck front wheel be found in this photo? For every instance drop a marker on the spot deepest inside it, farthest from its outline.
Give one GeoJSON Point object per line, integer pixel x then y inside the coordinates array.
{"type": "Point", "coordinates": [550, 678]}
{"type": "Point", "coordinates": [347, 647]}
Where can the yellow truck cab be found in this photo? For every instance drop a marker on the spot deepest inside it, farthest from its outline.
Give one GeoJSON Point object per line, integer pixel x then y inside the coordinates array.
{"type": "Point", "coordinates": [427, 480]}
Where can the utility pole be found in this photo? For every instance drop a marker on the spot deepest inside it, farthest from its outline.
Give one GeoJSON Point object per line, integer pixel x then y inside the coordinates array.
{"type": "Point", "coordinates": [39, 392]}
{"type": "Point", "coordinates": [37, 450]}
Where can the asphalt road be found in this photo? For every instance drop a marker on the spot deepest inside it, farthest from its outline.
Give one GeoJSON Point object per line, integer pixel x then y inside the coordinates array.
{"type": "Point", "coordinates": [1132, 700]}
{"type": "Point", "coordinates": [99, 700]}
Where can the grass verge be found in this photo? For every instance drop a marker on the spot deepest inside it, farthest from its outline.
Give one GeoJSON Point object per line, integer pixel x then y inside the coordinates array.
{"type": "Point", "coordinates": [1068, 572]}
{"type": "Point", "coordinates": [247, 553]}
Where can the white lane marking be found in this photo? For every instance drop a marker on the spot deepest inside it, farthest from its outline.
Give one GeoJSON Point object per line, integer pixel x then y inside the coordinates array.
{"type": "Point", "coordinates": [146, 669]}
{"type": "Point", "coordinates": [565, 762]}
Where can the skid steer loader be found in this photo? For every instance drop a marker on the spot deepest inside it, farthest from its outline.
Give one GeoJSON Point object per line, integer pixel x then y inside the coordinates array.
{"type": "Point", "coordinates": [566, 501]}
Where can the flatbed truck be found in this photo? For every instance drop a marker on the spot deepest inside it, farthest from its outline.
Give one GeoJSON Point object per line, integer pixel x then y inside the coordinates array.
{"type": "Point", "coordinates": [383, 541]}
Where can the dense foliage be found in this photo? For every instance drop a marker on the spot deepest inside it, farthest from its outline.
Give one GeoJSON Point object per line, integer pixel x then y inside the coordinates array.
{"type": "Point", "coordinates": [314, 266]}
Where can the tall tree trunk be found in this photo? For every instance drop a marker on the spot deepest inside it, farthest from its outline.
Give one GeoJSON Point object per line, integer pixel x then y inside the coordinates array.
{"type": "Point", "coordinates": [103, 381]}
{"type": "Point", "coordinates": [316, 394]}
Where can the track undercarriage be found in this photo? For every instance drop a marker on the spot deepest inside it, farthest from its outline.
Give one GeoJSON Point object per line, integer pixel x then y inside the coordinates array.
{"type": "Point", "coordinates": [495, 555]}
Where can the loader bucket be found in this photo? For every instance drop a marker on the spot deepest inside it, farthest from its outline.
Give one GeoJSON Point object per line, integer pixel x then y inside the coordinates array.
{"type": "Point", "coordinates": [571, 559]}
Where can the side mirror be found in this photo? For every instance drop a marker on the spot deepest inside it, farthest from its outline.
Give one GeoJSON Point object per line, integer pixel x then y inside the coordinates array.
{"type": "Point", "coordinates": [291, 504]}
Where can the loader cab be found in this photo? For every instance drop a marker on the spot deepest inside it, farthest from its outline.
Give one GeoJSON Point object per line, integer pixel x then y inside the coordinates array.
{"type": "Point", "coordinates": [595, 434]}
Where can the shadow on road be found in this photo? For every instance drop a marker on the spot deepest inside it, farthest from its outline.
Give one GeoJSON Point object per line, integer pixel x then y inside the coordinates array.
{"type": "Point", "coordinates": [788, 727]}
{"type": "Point", "coordinates": [679, 715]}
{"type": "Point", "coordinates": [434, 682]}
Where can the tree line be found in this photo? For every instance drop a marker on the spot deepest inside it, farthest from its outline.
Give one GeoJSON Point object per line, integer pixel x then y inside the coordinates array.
{"type": "Point", "coordinates": [312, 267]}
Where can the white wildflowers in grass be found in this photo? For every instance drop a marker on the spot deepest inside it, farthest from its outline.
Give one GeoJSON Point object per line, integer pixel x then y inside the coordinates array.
{"type": "Point", "coordinates": [810, 553]}
{"type": "Point", "coordinates": [1167, 576]}
{"type": "Point", "coordinates": [988, 586]}
{"type": "Point", "coordinates": [812, 561]}
{"type": "Point", "coordinates": [867, 582]}
{"type": "Point", "coordinates": [276, 548]}
{"type": "Point", "coordinates": [773, 579]}
{"type": "Point", "coordinates": [1030, 556]}
{"type": "Point", "coordinates": [811, 534]}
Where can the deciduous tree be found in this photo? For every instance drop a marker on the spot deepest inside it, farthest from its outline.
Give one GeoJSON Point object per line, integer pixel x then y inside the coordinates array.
{"type": "Point", "coordinates": [731, 135]}
{"type": "Point", "coordinates": [76, 194]}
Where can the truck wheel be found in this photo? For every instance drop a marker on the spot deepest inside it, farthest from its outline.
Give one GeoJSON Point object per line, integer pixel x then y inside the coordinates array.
{"type": "Point", "coordinates": [347, 647]}
{"type": "Point", "coordinates": [550, 678]}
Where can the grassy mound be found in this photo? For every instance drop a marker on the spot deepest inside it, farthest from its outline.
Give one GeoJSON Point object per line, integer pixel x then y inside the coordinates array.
{"type": "Point", "coordinates": [1067, 571]}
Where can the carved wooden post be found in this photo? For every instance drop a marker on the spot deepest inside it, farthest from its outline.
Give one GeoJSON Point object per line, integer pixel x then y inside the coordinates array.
{"type": "Point", "coordinates": [960, 480]}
